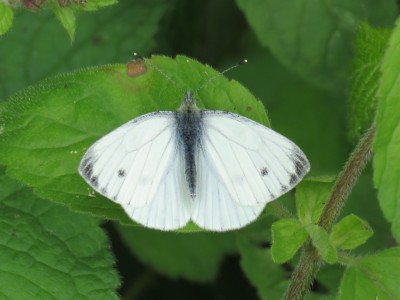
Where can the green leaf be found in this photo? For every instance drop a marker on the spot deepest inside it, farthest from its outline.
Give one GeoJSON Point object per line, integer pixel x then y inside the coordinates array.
{"type": "Point", "coordinates": [350, 233]}
{"type": "Point", "coordinates": [370, 47]}
{"type": "Point", "coordinates": [268, 278]}
{"type": "Point", "coordinates": [49, 252]}
{"type": "Point", "coordinates": [48, 127]}
{"type": "Point", "coordinates": [271, 280]}
{"type": "Point", "coordinates": [193, 256]}
{"type": "Point", "coordinates": [320, 239]}
{"type": "Point", "coordinates": [311, 195]}
{"type": "Point", "coordinates": [6, 18]}
{"type": "Point", "coordinates": [329, 277]}
{"type": "Point", "coordinates": [314, 38]}
{"type": "Point", "coordinates": [287, 237]}
{"type": "Point", "coordinates": [373, 277]}
{"type": "Point", "coordinates": [66, 13]}
{"type": "Point", "coordinates": [95, 4]}
{"type": "Point", "coordinates": [363, 202]}
{"type": "Point", "coordinates": [387, 141]}
{"type": "Point", "coordinates": [66, 16]}
{"type": "Point", "coordinates": [98, 41]}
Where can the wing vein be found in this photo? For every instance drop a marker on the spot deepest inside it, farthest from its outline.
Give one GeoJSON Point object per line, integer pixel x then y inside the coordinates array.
{"type": "Point", "coordinates": [243, 172]}
{"type": "Point", "coordinates": [218, 154]}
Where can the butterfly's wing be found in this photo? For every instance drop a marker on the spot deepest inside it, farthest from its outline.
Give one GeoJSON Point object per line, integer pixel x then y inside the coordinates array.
{"type": "Point", "coordinates": [248, 165]}
{"type": "Point", "coordinates": [171, 205]}
{"type": "Point", "coordinates": [214, 209]}
{"type": "Point", "coordinates": [138, 166]}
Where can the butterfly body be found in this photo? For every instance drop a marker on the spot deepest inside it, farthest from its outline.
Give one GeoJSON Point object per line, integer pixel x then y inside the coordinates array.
{"type": "Point", "coordinates": [215, 168]}
{"type": "Point", "coordinates": [188, 133]}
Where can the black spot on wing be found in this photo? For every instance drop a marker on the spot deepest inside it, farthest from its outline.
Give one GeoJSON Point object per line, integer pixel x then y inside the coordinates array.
{"type": "Point", "coordinates": [94, 181]}
{"type": "Point", "coordinates": [86, 166]}
{"type": "Point", "coordinates": [88, 170]}
{"type": "Point", "coordinates": [264, 171]}
{"type": "Point", "coordinates": [104, 191]}
{"type": "Point", "coordinates": [300, 163]}
{"type": "Point", "coordinates": [121, 173]}
{"type": "Point", "coordinates": [86, 160]}
{"type": "Point", "coordinates": [284, 189]}
{"type": "Point", "coordinates": [302, 159]}
{"type": "Point", "coordinates": [299, 168]}
{"type": "Point", "coordinates": [293, 179]}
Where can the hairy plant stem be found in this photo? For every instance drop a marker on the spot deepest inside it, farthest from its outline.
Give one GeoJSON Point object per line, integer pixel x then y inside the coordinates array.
{"type": "Point", "coordinates": [310, 261]}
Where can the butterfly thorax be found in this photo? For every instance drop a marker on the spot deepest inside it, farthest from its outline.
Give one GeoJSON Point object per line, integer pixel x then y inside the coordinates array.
{"type": "Point", "coordinates": [189, 127]}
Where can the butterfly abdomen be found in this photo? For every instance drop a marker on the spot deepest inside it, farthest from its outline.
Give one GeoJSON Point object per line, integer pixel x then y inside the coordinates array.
{"type": "Point", "coordinates": [189, 130]}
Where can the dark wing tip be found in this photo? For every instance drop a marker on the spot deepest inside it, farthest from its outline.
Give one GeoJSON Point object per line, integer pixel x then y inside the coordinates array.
{"type": "Point", "coordinates": [301, 164]}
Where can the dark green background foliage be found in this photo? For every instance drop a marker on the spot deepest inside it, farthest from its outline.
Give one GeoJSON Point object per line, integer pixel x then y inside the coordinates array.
{"type": "Point", "coordinates": [325, 71]}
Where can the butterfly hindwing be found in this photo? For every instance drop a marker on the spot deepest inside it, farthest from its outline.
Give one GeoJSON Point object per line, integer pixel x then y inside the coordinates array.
{"type": "Point", "coordinates": [171, 206]}
{"type": "Point", "coordinates": [214, 209]}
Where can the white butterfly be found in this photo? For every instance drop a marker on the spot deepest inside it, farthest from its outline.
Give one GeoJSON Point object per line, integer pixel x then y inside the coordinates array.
{"type": "Point", "coordinates": [216, 168]}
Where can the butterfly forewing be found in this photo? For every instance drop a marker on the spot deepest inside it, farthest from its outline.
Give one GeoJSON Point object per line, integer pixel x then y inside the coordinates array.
{"type": "Point", "coordinates": [128, 164]}
{"type": "Point", "coordinates": [254, 163]}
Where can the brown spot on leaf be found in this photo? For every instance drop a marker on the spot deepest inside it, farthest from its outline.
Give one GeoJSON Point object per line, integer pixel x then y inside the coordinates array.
{"type": "Point", "coordinates": [136, 68]}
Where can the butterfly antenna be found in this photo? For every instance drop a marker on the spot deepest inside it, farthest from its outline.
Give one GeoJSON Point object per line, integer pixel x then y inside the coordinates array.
{"type": "Point", "coordinates": [219, 74]}
{"type": "Point", "coordinates": [138, 56]}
